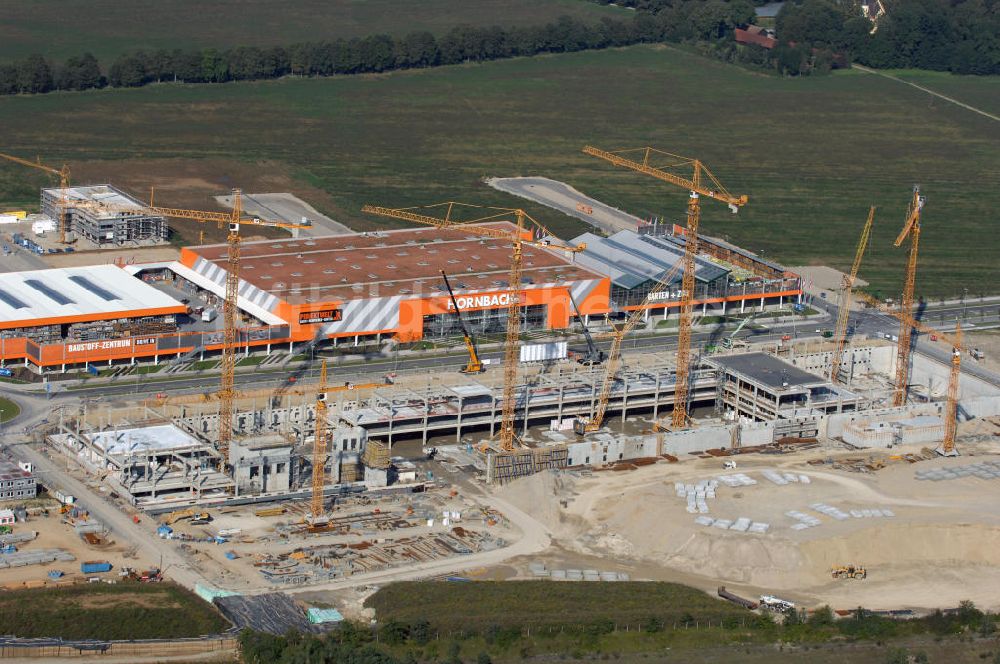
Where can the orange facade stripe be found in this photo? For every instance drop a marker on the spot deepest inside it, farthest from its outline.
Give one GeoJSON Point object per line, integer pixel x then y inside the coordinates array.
{"type": "Point", "coordinates": [712, 300]}
{"type": "Point", "coordinates": [87, 318]}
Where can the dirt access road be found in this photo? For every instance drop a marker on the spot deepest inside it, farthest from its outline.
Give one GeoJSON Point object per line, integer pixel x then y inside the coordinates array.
{"type": "Point", "coordinates": [148, 546]}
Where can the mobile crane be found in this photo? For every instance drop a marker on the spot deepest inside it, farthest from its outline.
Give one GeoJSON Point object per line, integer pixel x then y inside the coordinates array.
{"type": "Point", "coordinates": [474, 365]}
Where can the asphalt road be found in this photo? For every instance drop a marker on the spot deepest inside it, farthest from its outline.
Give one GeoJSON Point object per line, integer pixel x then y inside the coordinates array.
{"type": "Point", "coordinates": [288, 208]}
{"type": "Point", "coordinates": [868, 322]}
{"type": "Point", "coordinates": [560, 196]}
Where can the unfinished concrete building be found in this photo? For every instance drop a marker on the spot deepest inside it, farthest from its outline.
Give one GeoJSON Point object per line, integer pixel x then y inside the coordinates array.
{"type": "Point", "coordinates": [154, 463]}
{"type": "Point", "coordinates": [104, 228]}
{"type": "Point", "coordinates": [261, 464]}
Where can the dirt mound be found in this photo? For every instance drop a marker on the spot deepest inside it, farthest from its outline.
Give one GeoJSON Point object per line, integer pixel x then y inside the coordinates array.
{"type": "Point", "coordinates": [545, 496]}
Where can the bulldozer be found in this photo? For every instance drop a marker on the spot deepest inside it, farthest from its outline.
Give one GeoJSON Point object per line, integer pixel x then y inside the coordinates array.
{"type": "Point", "coordinates": [850, 572]}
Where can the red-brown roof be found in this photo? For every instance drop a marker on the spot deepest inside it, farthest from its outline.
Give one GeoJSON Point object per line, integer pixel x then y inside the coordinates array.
{"type": "Point", "coordinates": [399, 262]}
{"type": "Point", "coordinates": [756, 37]}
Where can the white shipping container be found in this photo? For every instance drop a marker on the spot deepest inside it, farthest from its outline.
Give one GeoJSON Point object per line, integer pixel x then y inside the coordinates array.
{"type": "Point", "coordinates": [543, 352]}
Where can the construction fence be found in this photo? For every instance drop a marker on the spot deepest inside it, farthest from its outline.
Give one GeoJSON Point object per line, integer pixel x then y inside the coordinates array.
{"type": "Point", "coordinates": [57, 648]}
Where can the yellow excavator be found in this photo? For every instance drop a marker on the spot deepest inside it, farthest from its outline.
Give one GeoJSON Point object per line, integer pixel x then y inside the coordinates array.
{"type": "Point", "coordinates": [850, 572]}
{"type": "Point", "coordinates": [199, 517]}
{"type": "Point", "coordinates": [475, 365]}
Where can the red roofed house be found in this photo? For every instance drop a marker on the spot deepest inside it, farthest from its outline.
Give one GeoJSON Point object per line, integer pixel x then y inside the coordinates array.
{"type": "Point", "coordinates": [754, 34]}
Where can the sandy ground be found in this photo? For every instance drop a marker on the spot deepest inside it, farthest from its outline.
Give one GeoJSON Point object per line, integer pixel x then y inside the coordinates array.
{"type": "Point", "coordinates": [111, 256]}
{"type": "Point", "coordinates": [52, 534]}
{"type": "Point", "coordinates": [822, 279]}
{"type": "Point", "coordinates": [989, 343]}
{"type": "Point", "coordinates": [942, 546]}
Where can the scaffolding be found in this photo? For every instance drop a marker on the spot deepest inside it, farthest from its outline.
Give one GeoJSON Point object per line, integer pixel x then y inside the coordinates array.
{"type": "Point", "coordinates": [503, 467]}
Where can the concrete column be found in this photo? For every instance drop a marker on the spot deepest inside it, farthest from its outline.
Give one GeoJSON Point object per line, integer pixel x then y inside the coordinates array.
{"type": "Point", "coordinates": [781, 301]}
{"type": "Point", "coordinates": [656, 397]}
{"type": "Point", "coordinates": [704, 308]}
{"type": "Point", "coordinates": [723, 307]}
{"type": "Point", "coordinates": [356, 339]}
{"type": "Point", "coordinates": [762, 303]}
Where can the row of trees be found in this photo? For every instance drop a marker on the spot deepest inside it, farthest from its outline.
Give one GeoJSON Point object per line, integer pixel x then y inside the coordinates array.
{"type": "Point", "coordinates": [962, 37]}
{"type": "Point", "coordinates": [376, 53]}
{"type": "Point", "coordinates": [34, 74]}
{"type": "Point", "coordinates": [420, 641]}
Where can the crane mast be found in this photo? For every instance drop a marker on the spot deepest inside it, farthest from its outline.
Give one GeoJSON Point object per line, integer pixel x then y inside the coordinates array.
{"type": "Point", "coordinates": [701, 183]}
{"type": "Point", "coordinates": [319, 450]}
{"type": "Point", "coordinates": [911, 229]}
{"type": "Point", "coordinates": [518, 239]}
{"type": "Point", "coordinates": [844, 310]}
{"type": "Point", "coordinates": [582, 426]}
{"type": "Point", "coordinates": [951, 406]}
{"type": "Point", "coordinates": [230, 306]}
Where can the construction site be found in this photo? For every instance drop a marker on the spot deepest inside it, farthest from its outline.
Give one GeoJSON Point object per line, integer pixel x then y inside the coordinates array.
{"type": "Point", "coordinates": [635, 402]}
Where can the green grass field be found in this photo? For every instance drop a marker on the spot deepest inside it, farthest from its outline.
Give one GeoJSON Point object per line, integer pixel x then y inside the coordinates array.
{"type": "Point", "coordinates": [8, 410]}
{"type": "Point", "coordinates": [812, 154]}
{"type": "Point", "coordinates": [109, 27]}
{"type": "Point", "coordinates": [522, 604]}
{"type": "Point", "coordinates": [101, 611]}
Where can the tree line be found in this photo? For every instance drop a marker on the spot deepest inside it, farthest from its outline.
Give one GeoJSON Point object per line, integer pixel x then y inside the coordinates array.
{"type": "Point", "coordinates": [813, 37]}
{"type": "Point", "coordinates": [372, 54]}
{"type": "Point", "coordinates": [395, 642]}
{"type": "Point", "coordinates": [960, 36]}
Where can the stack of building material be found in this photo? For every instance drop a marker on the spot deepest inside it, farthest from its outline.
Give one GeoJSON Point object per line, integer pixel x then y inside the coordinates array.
{"type": "Point", "coordinates": [35, 557]}
{"type": "Point", "coordinates": [737, 480]}
{"type": "Point", "coordinates": [984, 470]}
{"type": "Point", "coordinates": [830, 511]}
{"type": "Point", "coordinates": [804, 520]}
{"type": "Point", "coordinates": [872, 513]}
{"type": "Point", "coordinates": [17, 538]}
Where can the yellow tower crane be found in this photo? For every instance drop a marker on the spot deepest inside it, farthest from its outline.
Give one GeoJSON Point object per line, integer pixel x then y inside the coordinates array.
{"type": "Point", "coordinates": [911, 230]}
{"type": "Point", "coordinates": [583, 426]}
{"type": "Point", "coordinates": [700, 183]}
{"type": "Point", "coordinates": [522, 235]}
{"type": "Point", "coordinates": [951, 408]}
{"type": "Point", "coordinates": [844, 311]}
{"type": "Point", "coordinates": [951, 405]}
{"type": "Point", "coordinates": [234, 219]}
{"type": "Point", "coordinates": [319, 452]}
{"type": "Point", "coordinates": [63, 174]}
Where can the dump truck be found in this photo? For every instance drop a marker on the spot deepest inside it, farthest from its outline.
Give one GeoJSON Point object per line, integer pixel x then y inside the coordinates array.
{"type": "Point", "coordinates": [772, 603]}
